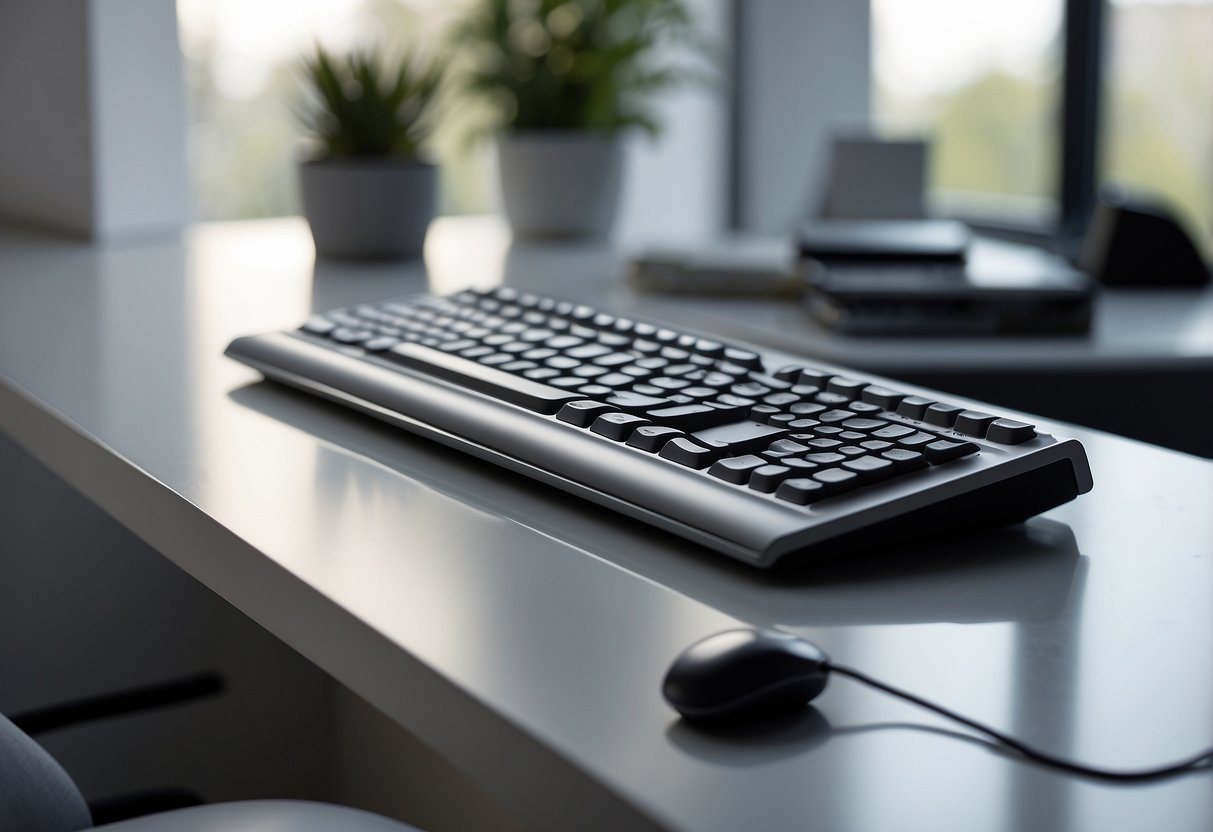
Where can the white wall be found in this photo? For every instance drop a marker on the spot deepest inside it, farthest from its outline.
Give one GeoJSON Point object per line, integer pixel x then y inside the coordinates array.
{"type": "Point", "coordinates": [805, 74]}
{"type": "Point", "coordinates": [676, 187]}
{"type": "Point", "coordinates": [92, 116]}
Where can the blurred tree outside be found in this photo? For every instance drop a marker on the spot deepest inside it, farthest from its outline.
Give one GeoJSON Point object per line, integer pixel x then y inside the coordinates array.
{"type": "Point", "coordinates": [1158, 109]}
{"type": "Point", "coordinates": [995, 129]}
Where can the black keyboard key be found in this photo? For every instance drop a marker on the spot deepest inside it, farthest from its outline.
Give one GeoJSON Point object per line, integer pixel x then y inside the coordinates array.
{"type": "Point", "coordinates": [652, 362]}
{"type": "Point", "coordinates": [319, 326]}
{"type": "Point", "coordinates": [807, 409]}
{"type": "Point", "coordinates": [563, 342]}
{"type": "Point", "coordinates": [1010, 432]}
{"type": "Point", "coordinates": [611, 339]}
{"type": "Point", "coordinates": [560, 362]}
{"type": "Point", "coordinates": [818, 378]}
{"type": "Point", "coordinates": [380, 343]}
{"type": "Point", "coordinates": [904, 460]}
{"type": "Point", "coordinates": [913, 407]}
{"type": "Point", "coordinates": [685, 452]}
{"type": "Point", "coordinates": [863, 408]}
{"type": "Point", "coordinates": [893, 432]}
{"type": "Point", "coordinates": [786, 447]}
{"type": "Point", "coordinates": [736, 438]}
{"type": "Point", "coordinates": [614, 359]}
{"type": "Point", "coordinates": [788, 373]}
{"type": "Point", "coordinates": [617, 426]}
{"type": "Point", "coordinates": [595, 389]}
{"type": "Point", "coordinates": [743, 357]}
{"type": "Point", "coordinates": [652, 438]}
{"type": "Point", "coordinates": [849, 387]}
{"type": "Point", "coordinates": [837, 480]}
{"type": "Point", "coordinates": [864, 424]}
{"type": "Point", "coordinates": [882, 397]}
{"type": "Point", "coordinates": [519, 366]}
{"type": "Point", "coordinates": [800, 467]}
{"type": "Point", "coordinates": [821, 443]}
{"type": "Point", "coordinates": [825, 459]}
{"type": "Point", "coordinates": [693, 417]}
{"type": "Point", "coordinates": [634, 402]}
{"type": "Point", "coordinates": [833, 416]}
{"type": "Point", "coordinates": [497, 383]}
{"type": "Point", "coordinates": [972, 422]}
{"type": "Point", "coordinates": [587, 351]}
{"type": "Point", "coordinates": [769, 381]}
{"type": "Point", "coordinates": [945, 450]}
{"type": "Point", "coordinates": [876, 445]}
{"type": "Point", "coordinates": [569, 382]}
{"type": "Point", "coordinates": [541, 373]}
{"type": "Point", "coordinates": [942, 414]}
{"type": "Point", "coordinates": [348, 335]}
{"type": "Point", "coordinates": [614, 380]}
{"type": "Point", "coordinates": [916, 441]}
{"type": "Point", "coordinates": [768, 477]}
{"type": "Point", "coordinates": [637, 372]}
{"type": "Point", "coordinates": [801, 491]}
{"type": "Point", "coordinates": [583, 412]}
{"type": "Point", "coordinates": [781, 399]}
{"type": "Point", "coordinates": [851, 451]}
{"type": "Point", "coordinates": [870, 468]}
{"type": "Point", "coordinates": [736, 469]}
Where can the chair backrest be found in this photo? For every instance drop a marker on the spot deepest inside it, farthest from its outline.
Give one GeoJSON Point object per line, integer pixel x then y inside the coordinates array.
{"type": "Point", "coordinates": [36, 794]}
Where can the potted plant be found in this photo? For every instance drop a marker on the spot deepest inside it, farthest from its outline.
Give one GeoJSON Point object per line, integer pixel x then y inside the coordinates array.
{"type": "Point", "coordinates": [563, 79]}
{"type": "Point", "coordinates": [367, 192]}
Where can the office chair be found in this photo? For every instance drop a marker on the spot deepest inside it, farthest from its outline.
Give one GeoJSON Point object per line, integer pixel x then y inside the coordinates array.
{"type": "Point", "coordinates": [37, 795]}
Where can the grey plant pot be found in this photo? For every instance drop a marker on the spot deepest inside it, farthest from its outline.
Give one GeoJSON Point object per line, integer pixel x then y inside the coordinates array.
{"type": "Point", "coordinates": [557, 183]}
{"type": "Point", "coordinates": [369, 208]}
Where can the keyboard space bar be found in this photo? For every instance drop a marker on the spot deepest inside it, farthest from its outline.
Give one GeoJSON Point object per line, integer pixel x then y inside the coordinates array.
{"type": "Point", "coordinates": [467, 373]}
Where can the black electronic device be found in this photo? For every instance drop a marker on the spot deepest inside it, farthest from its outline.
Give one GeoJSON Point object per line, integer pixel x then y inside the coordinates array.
{"type": "Point", "coordinates": [1132, 241]}
{"type": "Point", "coordinates": [753, 453]}
{"type": "Point", "coordinates": [748, 674]}
{"type": "Point", "coordinates": [878, 241]}
{"type": "Point", "coordinates": [1000, 288]}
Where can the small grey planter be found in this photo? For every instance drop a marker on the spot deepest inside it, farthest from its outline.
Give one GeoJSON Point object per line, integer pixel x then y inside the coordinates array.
{"type": "Point", "coordinates": [557, 183]}
{"type": "Point", "coordinates": [369, 209]}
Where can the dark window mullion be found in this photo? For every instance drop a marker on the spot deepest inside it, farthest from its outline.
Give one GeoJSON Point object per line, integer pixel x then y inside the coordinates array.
{"type": "Point", "coordinates": [1081, 81]}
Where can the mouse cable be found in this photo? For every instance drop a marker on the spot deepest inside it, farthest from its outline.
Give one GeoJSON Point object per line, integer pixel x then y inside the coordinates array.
{"type": "Point", "coordinates": [1198, 761]}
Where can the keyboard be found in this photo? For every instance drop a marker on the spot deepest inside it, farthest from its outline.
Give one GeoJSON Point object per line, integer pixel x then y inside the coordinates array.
{"type": "Point", "coordinates": [756, 454]}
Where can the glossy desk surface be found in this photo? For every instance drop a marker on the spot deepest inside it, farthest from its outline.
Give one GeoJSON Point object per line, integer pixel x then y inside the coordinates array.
{"type": "Point", "coordinates": [524, 634]}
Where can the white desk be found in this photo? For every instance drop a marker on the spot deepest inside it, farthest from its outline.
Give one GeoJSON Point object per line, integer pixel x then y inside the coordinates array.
{"type": "Point", "coordinates": [523, 634]}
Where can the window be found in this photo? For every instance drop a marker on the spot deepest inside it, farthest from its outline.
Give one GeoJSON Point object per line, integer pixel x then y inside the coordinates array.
{"type": "Point", "coordinates": [1033, 105]}
{"type": "Point", "coordinates": [1158, 105]}
{"type": "Point", "coordinates": [981, 81]}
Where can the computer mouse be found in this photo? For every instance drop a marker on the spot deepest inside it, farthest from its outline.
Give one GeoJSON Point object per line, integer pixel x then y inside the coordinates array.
{"type": "Point", "coordinates": [745, 674]}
